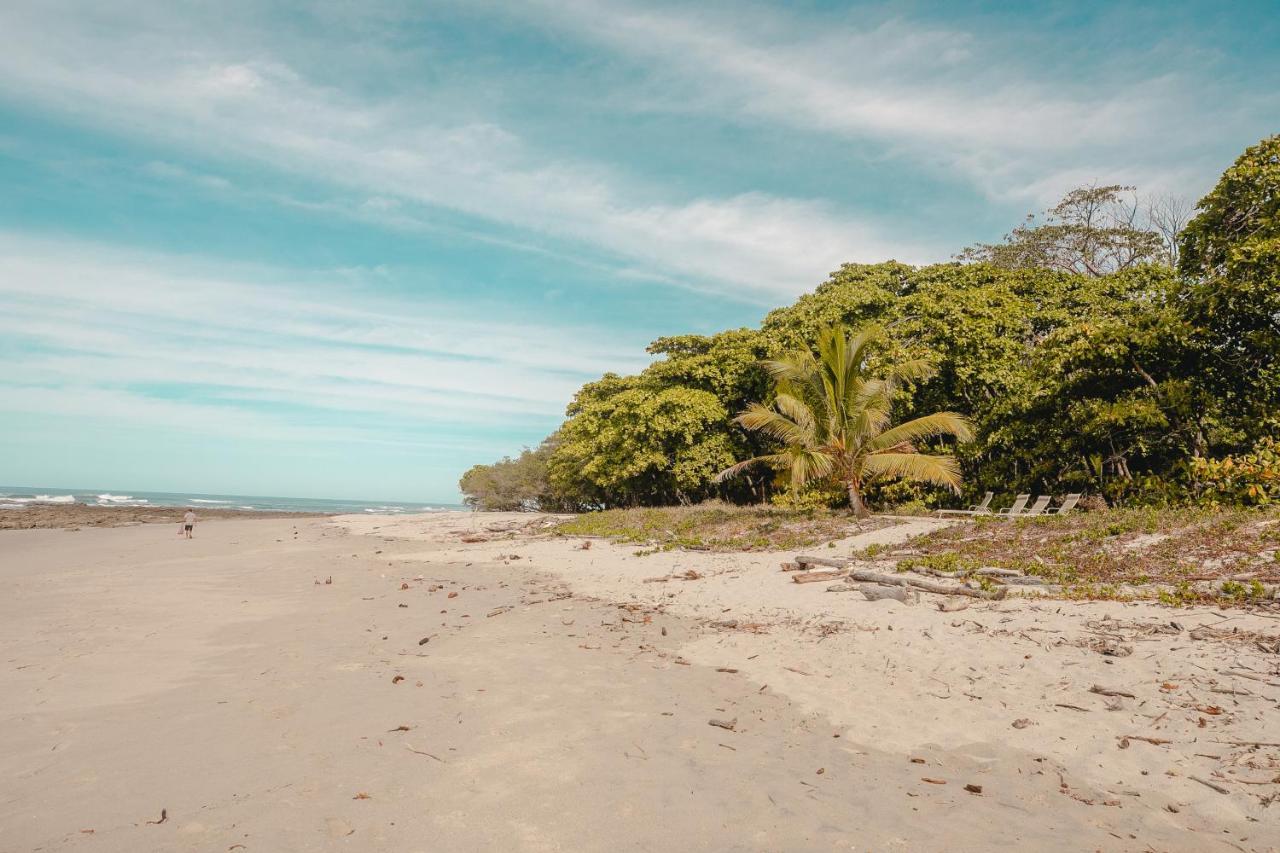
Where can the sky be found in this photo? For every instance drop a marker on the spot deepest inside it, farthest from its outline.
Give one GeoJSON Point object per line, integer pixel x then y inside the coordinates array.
{"type": "Point", "coordinates": [348, 250]}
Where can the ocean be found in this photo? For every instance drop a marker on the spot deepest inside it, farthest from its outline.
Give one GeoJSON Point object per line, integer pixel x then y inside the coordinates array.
{"type": "Point", "coordinates": [17, 497]}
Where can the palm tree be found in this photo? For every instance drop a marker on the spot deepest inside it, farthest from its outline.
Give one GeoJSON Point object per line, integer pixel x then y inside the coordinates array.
{"type": "Point", "coordinates": [832, 418]}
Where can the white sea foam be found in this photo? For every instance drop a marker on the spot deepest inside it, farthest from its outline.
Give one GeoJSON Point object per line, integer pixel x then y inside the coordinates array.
{"type": "Point", "coordinates": [46, 499]}
{"type": "Point", "coordinates": [205, 501]}
{"type": "Point", "coordinates": [104, 500]}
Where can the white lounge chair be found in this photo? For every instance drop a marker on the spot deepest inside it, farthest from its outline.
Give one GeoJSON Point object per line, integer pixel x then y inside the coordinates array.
{"type": "Point", "coordinates": [983, 507]}
{"type": "Point", "coordinates": [1018, 504]}
{"type": "Point", "coordinates": [1037, 508]}
{"type": "Point", "coordinates": [1068, 504]}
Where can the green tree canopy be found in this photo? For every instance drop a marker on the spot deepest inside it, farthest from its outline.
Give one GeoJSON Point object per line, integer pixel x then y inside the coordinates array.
{"type": "Point", "coordinates": [1231, 254]}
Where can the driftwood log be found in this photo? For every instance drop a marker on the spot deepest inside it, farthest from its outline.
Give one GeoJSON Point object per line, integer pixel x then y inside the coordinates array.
{"type": "Point", "coordinates": [833, 562]}
{"type": "Point", "coordinates": [874, 591]}
{"type": "Point", "coordinates": [869, 576]}
{"type": "Point", "coordinates": [927, 586]}
{"type": "Point", "coordinates": [878, 592]}
{"type": "Point", "coordinates": [814, 577]}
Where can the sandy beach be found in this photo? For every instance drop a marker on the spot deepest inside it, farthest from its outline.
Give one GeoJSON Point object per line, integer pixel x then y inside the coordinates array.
{"type": "Point", "coordinates": [461, 681]}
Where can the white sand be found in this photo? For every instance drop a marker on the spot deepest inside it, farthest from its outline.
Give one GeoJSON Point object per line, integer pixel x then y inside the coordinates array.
{"type": "Point", "coordinates": [217, 680]}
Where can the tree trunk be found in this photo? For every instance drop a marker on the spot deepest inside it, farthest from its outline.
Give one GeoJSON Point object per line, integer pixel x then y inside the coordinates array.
{"type": "Point", "coordinates": [856, 503]}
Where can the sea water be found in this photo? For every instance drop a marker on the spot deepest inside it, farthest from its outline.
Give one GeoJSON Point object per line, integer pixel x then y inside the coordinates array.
{"type": "Point", "coordinates": [18, 497]}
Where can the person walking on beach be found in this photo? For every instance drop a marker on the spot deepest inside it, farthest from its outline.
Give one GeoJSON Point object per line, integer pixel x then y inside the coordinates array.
{"type": "Point", "coordinates": [188, 523]}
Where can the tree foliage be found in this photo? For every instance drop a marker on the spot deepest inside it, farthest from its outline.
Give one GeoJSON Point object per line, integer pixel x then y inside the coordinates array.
{"type": "Point", "coordinates": [627, 442]}
{"type": "Point", "coordinates": [1082, 357]}
{"type": "Point", "coordinates": [1231, 257]}
{"type": "Point", "coordinates": [1092, 231]}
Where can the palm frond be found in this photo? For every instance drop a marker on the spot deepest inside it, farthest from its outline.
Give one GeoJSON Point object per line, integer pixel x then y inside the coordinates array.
{"type": "Point", "coordinates": [914, 370]}
{"type": "Point", "coordinates": [799, 412]}
{"type": "Point", "coordinates": [762, 419]}
{"type": "Point", "coordinates": [927, 426]}
{"type": "Point", "coordinates": [807, 465]}
{"type": "Point", "coordinates": [734, 470]}
{"type": "Point", "coordinates": [917, 467]}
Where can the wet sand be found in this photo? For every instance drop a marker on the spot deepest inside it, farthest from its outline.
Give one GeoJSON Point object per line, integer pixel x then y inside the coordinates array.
{"type": "Point", "coordinates": [70, 516]}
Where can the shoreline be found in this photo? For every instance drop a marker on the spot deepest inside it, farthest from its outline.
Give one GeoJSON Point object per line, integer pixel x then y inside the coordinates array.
{"type": "Point", "coordinates": [73, 516]}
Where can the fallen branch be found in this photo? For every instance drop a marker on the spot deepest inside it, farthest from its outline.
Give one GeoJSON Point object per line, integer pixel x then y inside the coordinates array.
{"type": "Point", "coordinates": [1107, 691]}
{"type": "Point", "coordinates": [427, 754]}
{"type": "Point", "coordinates": [927, 586]}
{"type": "Point", "coordinates": [1235, 673]}
{"type": "Point", "coordinates": [1208, 784]}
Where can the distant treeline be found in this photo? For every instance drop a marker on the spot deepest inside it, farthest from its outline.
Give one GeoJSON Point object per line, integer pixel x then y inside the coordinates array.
{"type": "Point", "coordinates": [1116, 345]}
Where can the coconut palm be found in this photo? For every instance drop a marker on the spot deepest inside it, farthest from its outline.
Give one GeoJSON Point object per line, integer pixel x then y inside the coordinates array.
{"type": "Point", "coordinates": [832, 419]}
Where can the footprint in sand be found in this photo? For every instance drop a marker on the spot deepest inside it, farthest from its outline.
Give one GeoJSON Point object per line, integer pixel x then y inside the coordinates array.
{"type": "Point", "coordinates": [338, 828]}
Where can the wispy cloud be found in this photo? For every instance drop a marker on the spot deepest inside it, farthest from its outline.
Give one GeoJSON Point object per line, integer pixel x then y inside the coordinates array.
{"type": "Point", "coordinates": [945, 99]}
{"type": "Point", "coordinates": [100, 332]}
{"type": "Point", "coordinates": [160, 78]}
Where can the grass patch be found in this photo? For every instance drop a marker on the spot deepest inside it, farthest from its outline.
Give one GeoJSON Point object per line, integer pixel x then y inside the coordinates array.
{"type": "Point", "coordinates": [717, 526]}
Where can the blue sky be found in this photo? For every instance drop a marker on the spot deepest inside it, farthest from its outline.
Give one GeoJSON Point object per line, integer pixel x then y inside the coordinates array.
{"type": "Point", "coordinates": [348, 250]}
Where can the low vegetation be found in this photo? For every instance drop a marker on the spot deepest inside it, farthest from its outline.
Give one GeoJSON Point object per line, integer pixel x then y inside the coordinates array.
{"type": "Point", "coordinates": [718, 527]}
{"type": "Point", "coordinates": [1090, 552]}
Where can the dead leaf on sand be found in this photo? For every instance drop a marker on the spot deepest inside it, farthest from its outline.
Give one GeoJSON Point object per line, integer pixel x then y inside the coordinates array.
{"type": "Point", "coordinates": [164, 815]}
{"type": "Point", "coordinates": [362, 796]}
{"type": "Point", "coordinates": [397, 679]}
{"type": "Point", "coordinates": [731, 725]}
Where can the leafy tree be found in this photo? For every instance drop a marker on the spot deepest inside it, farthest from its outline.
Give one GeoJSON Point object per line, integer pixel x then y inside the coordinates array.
{"type": "Point", "coordinates": [1231, 254]}
{"type": "Point", "coordinates": [517, 485]}
{"type": "Point", "coordinates": [627, 443]}
{"type": "Point", "coordinates": [832, 418]}
{"type": "Point", "coordinates": [1093, 230]}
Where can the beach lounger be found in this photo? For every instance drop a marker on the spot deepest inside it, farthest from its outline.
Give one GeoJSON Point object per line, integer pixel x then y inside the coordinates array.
{"type": "Point", "coordinates": [1037, 508]}
{"type": "Point", "coordinates": [1018, 504]}
{"type": "Point", "coordinates": [1068, 504]}
{"type": "Point", "coordinates": [983, 507]}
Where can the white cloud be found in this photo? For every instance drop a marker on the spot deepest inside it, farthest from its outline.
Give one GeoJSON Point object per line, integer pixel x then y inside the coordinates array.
{"type": "Point", "coordinates": [173, 81]}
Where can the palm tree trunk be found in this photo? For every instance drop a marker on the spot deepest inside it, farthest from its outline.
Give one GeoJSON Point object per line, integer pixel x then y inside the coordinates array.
{"type": "Point", "coordinates": [856, 503]}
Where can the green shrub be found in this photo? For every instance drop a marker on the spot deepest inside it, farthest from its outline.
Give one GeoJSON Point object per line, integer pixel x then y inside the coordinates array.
{"type": "Point", "coordinates": [1251, 479]}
